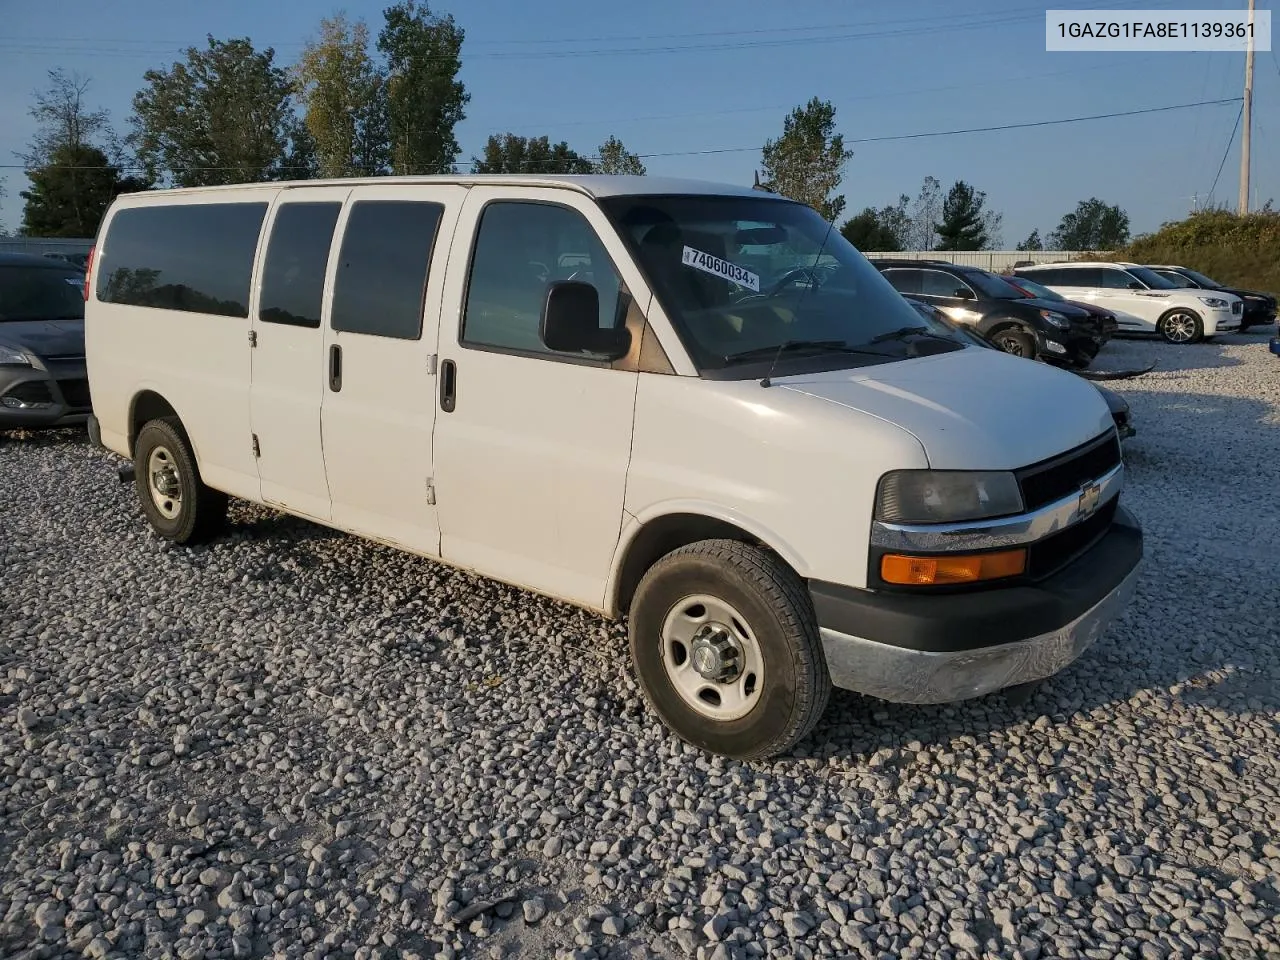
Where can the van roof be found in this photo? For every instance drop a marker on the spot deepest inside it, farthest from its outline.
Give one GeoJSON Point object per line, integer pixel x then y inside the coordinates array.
{"type": "Point", "coordinates": [594, 185]}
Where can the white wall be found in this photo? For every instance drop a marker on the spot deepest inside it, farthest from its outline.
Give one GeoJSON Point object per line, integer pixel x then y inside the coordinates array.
{"type": "Point", "coordinates": [993, 260]}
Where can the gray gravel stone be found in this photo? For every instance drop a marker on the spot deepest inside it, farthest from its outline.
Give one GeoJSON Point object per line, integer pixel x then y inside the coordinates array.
{"type": "Point", "coordinates": [295, 744]}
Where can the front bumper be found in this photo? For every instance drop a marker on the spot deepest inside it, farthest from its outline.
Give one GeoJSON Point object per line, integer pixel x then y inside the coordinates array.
{"type": "Point", "coordinates": [940, 649]}
{"type": "Point", "coordinates": [1221, 322]}
{"type": "Point", "coordinates": [43, 396]}
{"type": "Point", "coordinates": [1074, 345]}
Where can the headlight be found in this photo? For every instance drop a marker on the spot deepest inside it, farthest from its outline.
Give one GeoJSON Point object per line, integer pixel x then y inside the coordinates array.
{"type": "Point", "coordinates": [961, 314]}
{"type": "Point", "coordinates": [1216, 302]}
{"type": "Point", "coordinates": [946, 496]}
{"type": "Point", "coordinates": [1055, 318]}
{"type": "Point", "coordinates": [13, 357]}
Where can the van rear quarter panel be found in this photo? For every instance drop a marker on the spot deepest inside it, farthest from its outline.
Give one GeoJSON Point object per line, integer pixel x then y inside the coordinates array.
{"type": "Point", "coordinates": [199, 363]}
{"type": "Point", "coordinates": [795, 471]}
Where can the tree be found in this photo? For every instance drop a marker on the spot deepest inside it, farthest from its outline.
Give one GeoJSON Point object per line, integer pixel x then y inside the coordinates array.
{"type": "Point", "coordinates": [70, 193]}
{"type": "Point", "coordinates": [924, 215]}
{"type": "Point", "coordinates": [343, 97]}
{"type": "Point", "coordinates": [868, 231]}
{"type": "Point", "coordinates": [615, 159]}
{"type": "Point", "coordinates": [807, 162]}
{"type": "Point", "coordinates": [425, 100]}
{"type": "Point", "coordinates": [510, 153]}
{"type": "Point", "coordinates": [965, 221]}
{"type": "Point", "coordinates": [1093, 226]}
{"type": "Point", "coordinates": [63, 120]}
{"type": "Point", "coordinates": [223, 115]}
{"type": "Point", "coordinates": [1033, 242]}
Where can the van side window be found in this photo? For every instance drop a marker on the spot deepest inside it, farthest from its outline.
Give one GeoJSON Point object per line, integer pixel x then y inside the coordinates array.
{"type": "Point", "coordinates": [297, 255]}
{"type": "Point", "coordinates": [381, 280]}
{"type": "Point", "coordinates": [937, 283]}
{"type": "Point", "coordinates": [192, 257]}
{"type": "Point", "coordinates": [521, 248]}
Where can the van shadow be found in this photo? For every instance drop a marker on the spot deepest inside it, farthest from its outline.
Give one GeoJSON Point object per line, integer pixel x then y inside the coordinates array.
{"type": "Point", "coordinates": [43, 439]}
{"type": "Point", "coordinates": [1201, 476]}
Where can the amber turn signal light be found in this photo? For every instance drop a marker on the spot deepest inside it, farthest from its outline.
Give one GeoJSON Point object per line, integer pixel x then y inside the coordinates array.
{"type": "Point", "coordinates": [960, 568]}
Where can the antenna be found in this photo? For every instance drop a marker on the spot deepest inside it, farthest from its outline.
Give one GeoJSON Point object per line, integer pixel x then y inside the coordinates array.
{"type": "Point", "coordinates": [768, 377]}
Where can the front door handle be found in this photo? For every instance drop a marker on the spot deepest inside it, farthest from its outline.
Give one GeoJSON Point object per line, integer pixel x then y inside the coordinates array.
{"type": "Point", "coordinates": [448, 386]}
{"type": "Point", "coordinates": [335, 368]}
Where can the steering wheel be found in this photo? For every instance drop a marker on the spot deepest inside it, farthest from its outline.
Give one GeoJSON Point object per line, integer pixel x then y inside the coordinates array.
{"type": "Point", "coordinates": [792, 276]}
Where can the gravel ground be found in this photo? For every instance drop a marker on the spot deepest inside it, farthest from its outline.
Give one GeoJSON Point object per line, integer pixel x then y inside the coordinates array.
{"type": "Point", "coordinates": [293, 743]}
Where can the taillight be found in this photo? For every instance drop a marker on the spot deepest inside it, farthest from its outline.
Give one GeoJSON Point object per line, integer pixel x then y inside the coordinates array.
{"type": "Point", "coordinates": [88, 272]}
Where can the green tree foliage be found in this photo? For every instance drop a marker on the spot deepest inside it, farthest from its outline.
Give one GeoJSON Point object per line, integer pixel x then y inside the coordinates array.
{"type": "Point", "coordinates": [224, 114]}
{"type": "Point", "coordinates": [1093, 225]}
{"type": "Point", "coordinates": [70, 193]}
{"type": "Point", "coordinates": [72, 178]}
{"type": "Point", "coordinates": [966, 222]}
{"type": "Point", "coordinates": [614, 158]}
{"type": "Point", "coordinates": [1235, 250]}
{"type": "Point", "coordinates": [344, 101]}
{"type": "Point", "coordinates": [425, 99]}
{"type": "Point", "coordinates": [868, 232]}
{"type": "Point", "coordinates": [509, 153]}
{"type": "Point", "coordinates": [807, 162]}
{"type": "Point", "coordinates": [1033, 242]}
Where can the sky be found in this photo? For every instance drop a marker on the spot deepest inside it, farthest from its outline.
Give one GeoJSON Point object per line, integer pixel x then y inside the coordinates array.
{"type": "Point", "coordinates": [708, 83]}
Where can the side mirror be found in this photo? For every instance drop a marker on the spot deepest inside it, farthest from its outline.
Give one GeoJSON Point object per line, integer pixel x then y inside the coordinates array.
{"type": "Point", "coordinates": [570, 322]}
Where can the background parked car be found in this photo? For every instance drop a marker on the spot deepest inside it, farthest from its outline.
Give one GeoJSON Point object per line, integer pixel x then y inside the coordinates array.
{"type": "Point", "coordinates": [1001, 313]}
{"type": "Point", "coordinates": [1142, 300]}
{"type": "Point", "coordinates": [1117, 404]}
{"type": "Point", "coordinates": [1259, 308]}
{"type": "Point", "coordinates": [42, 370]}
{"type": "Point", "coordinates": [1107, 324]}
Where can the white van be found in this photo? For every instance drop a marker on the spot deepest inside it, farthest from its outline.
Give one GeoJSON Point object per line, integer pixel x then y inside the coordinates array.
{"type": "Point", "coordinates": [696, 406]}
{"type": "Point", "coordinates": [1142, 300]}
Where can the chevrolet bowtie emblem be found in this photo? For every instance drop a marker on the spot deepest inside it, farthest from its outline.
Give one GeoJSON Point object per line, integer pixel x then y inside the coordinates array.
{"type": "Point", "coordinates": [1089, 495]}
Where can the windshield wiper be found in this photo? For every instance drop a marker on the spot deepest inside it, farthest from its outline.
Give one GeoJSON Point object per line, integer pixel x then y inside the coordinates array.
{"type": "Point", "coordinates": [903, 332]}
{"type": "Point", "coordinates": [818, 346]}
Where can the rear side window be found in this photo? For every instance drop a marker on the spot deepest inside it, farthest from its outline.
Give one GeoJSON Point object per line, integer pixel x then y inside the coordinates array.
{"type": "Point", "coordinates": [382, 269]}
{"type": "Point", "coordinates": [904, 281]}
{"type": "Point", "coordinates": [297, 255]}
{"type": "Point", "coordinates": [196, 257]}
{"type": "Point", "coordinates": [1112, 279]}
{"type": "Point", "coordinates": [935, 283]}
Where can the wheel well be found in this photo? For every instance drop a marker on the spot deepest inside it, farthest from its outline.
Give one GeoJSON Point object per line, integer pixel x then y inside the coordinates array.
{"type": "Point", "coordinates": [659, 537]}
{"type": "Point", "coordinates": [147, 406]}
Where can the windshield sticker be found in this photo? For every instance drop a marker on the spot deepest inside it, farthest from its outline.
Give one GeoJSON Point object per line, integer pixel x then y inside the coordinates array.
{"type": "Point", "coordinates": [705, 262]}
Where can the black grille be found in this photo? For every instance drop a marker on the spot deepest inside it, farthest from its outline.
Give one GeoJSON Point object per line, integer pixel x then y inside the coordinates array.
{"type": "Point", "coordinates": [1051, 480]}
{"type": "Point", "coordinates": [33, 391]}
{"type": "Point", "coordinates": [64, 357]}
{"type": "Point", "coordinates": [1053, 553]}
{"type": "Point", "coordinates": [75, 392]}
{"type": "Point", "coordinates": [1237, 306]}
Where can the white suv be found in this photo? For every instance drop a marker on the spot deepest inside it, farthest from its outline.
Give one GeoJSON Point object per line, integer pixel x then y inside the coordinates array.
{"type": "Point", "coordinates": [1142, 300]}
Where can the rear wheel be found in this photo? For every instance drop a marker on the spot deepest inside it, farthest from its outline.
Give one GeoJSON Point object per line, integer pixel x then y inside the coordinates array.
{"type": "Point", "coordinates": [1181, 326]}
{"type": "Point", "coordinates": [1014, 341]}
{"type": "Point", "coordinates": [175, 500]}
{"type": "Point", "coordinates": [726, 647]}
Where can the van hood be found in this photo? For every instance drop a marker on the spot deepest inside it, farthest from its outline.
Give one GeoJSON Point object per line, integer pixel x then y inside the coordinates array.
{"type": "Point", "coordinates": [971, 409]}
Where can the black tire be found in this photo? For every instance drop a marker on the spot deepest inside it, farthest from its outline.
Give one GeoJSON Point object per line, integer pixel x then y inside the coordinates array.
{"type": "Point", "coordinates": [777, 609]}
{"type": "Point", "coordinates": [1173, 326]}
{"type": "Point", "coordinates": [197, 512]}
{"type": "Point", "coordinates": [1015, 341]}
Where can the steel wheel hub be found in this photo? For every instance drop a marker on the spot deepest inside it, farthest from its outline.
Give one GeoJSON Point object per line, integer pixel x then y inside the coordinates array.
{"type": "Point", "coordinates": [712, 657]}
{"type": "Point", "coordinates": [165, 486]}
{"type": "Point", "coordinates": [715, 655]}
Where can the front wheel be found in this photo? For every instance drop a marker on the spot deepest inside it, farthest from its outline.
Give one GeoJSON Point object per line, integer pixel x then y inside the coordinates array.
{"type": "Point", "coordinates": [1181, 326]}
{"type": "Point", "coordinates": [726, 647]}
{"type": "Point", "coordinates": [1015, 342]}
{"type": "Point", "coordinates": [175, 500]}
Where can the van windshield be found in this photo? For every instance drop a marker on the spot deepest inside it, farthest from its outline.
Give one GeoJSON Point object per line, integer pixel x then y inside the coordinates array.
{"type": "Point", "coordinates": [742, 276]}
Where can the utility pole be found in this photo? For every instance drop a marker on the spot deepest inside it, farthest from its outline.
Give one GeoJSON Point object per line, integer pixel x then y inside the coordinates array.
{"type": "Point", "coordinates": [1243, 207]}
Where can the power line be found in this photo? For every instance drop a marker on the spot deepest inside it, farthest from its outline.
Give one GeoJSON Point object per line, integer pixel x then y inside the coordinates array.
{"type": "Point", "coordinates": [1227, 152]}
{"type": "Point", "coordinates": [723, 150]}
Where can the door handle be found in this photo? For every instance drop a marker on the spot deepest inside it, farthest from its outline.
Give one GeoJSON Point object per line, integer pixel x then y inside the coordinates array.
{"type": "Point", "coordinates": [448, 386]}
{"type": "Point", "coordinates": [335, 368]}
